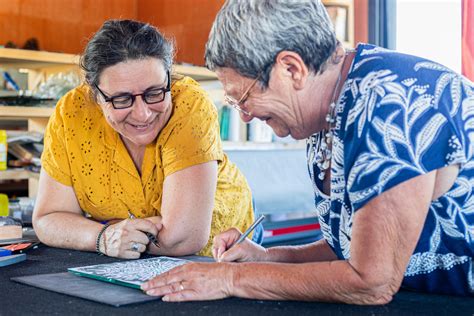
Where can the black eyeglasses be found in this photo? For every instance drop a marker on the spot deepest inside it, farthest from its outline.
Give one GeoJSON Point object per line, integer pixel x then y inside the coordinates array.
{"type": "Point", "coordinates": [126, 100]}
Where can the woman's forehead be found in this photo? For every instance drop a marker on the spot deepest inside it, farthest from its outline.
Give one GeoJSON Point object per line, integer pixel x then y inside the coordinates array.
{"type": "Point", "coordinates": [135, 74]}
{"type": "Point", "coordinates": [231, 79]}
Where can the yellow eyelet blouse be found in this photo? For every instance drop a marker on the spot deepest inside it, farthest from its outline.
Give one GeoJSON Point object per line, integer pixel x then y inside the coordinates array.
{"type": "Point", "coordinates": [83, 151]}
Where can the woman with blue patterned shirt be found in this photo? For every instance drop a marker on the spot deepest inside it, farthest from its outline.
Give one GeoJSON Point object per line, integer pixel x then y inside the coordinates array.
{"type": "Point", "coordinates": [390, 146]}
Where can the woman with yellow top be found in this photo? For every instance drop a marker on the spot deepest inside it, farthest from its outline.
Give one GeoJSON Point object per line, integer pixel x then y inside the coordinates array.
{"type": "Point", "coordinates": [134, 154]}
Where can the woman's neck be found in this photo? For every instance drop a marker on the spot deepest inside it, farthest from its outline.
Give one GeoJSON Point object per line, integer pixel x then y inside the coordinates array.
{"type": "Point", "coordinates": [136, 152]}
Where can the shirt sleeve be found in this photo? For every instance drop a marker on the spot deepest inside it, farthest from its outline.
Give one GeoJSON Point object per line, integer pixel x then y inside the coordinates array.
{"type": "Point", "coordinates": [54, 159]}
{"type": "Point", "coordinates": [398, 144]}
{"type": "Point", "coordinates": [192, 132]}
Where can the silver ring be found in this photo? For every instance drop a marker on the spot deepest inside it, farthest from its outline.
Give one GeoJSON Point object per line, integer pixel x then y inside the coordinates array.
{"type": "Point", "coordinates": [135, 246]}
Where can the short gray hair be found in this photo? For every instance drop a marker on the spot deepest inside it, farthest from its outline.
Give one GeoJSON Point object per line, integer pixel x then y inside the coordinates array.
{"type": "Point", "coordinates": [247, 35]}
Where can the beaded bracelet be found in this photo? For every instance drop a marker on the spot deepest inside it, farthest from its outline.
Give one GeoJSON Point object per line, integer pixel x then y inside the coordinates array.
{"type": "Point", "coordinates": [97, 242]}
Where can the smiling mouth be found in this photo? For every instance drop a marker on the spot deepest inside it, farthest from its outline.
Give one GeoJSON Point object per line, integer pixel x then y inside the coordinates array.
{"type": "Point", "coordinates": [141, 126]}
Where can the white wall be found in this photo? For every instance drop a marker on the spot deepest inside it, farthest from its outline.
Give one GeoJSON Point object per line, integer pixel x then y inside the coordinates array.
{"type": "Point", "coordinates": [430, 29]}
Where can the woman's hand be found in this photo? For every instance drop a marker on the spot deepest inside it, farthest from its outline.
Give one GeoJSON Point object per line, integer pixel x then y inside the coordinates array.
{"type": "Point", "coordinates": [128, 239]}
{"type": "Point", "coordinates": [223, 251]}
{"type": "Point", "coordinates": [192, 282]}
{"type": "Point", "coordinates": [157, 221]}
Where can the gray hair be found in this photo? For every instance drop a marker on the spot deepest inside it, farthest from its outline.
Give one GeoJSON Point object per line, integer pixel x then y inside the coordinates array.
{"type": "Point", "coordinates": [121, 40]}
{"type": "Point", "coordinates": [247, 35]}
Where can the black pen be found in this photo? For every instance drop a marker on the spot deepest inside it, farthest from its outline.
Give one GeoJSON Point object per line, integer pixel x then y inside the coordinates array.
{"type": "Point", "coordinates": [151, 238]}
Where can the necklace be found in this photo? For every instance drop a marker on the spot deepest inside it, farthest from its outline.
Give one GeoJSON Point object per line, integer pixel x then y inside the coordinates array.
{"type": "Point", "coordinates": [323, 143]}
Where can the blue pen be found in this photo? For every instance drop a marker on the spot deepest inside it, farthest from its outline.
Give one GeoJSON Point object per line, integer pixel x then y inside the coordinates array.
{"type": "Point", "coordinates": [10, 80]}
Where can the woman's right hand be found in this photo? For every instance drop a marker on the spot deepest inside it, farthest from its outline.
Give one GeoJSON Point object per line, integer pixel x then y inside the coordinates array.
{"type": "Point", "coordinates": [224, 251]}
{"type": "Point", "coordinates": [127, 239]}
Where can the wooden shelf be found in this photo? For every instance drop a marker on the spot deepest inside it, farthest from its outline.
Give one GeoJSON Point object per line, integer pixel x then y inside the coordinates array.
{"type": "Point", "coordinates": [20, 58]}
{"type": "Point", "coordinates": [17, 174]}
{"type": "Point", "coordinates": [195, 72]}
{"type": "Point", "coordinates": [25, 112]}
{"type": "Point", "coordinates": [28, 59]}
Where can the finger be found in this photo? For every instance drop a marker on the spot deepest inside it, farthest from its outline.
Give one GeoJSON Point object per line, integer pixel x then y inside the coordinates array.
{"type": "Point", "coordinates": [129, 254]}
{"type": "Point", "coordinates": [145, 225]}
{"type": "Point", "coordinates": [220, 251]}
{"type": "Point", "coordinates": [216, 243]}
{"type": "Point", "coordinates": [226, 239]}
{"type": "Point", "coordinates": [154, 219]}
{"type": "Point", "coordinates": [137, 236]}
{"type": "Point", "coordinates": [162, 280]}
{"type": "Point", "coordinates": [233, 254]}
{"type": "Point", "coordinates": [181, 296]}
{"type": "Point", "coordinates": [137, 247]}
{"type": "Point", "coordinates": [178, 290]}
{"type": "Point", "coordinates": [160, 291]}
{"type": "Point", "coordinates": [214, 253]}
{"type": "Point", "coordinates": [159, 227]}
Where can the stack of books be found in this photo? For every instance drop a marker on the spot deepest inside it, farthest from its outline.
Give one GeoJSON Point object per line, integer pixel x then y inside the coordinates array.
{"type": "Point", "coordinates": [232, 128]}
{"type": "Point", "coordinates": [24, 149]}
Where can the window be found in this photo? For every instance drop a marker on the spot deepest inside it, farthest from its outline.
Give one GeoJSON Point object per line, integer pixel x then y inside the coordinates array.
{"type": "Point", "coordinates": [431, 29]}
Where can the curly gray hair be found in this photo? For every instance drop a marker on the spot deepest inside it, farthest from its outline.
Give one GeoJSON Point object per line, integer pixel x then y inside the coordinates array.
{"type": "Point", "coordinates": [247, 35]}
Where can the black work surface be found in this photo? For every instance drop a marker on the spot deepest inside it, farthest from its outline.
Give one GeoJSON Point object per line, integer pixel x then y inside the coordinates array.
{"type": "Point", "coordinates": [20, 299]}
{"type": "Point", "coordinates": [94, 290]}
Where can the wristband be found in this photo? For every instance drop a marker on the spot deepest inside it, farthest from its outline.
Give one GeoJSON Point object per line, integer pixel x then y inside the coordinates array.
{"type": "Point", "coordinates": [97, 242]}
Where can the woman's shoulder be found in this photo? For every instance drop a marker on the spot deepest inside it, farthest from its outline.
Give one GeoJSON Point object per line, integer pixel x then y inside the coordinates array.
{"type": "Point", "coordinates": [77, 104]}
{"type": "Point", "coordinates": [187, 88]}
{"type": "Point", "coordinates": [189, 97]}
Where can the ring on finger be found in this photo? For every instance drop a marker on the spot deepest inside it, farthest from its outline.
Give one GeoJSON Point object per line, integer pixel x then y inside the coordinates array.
{"type": "Point", "coordinates": [181, 286]}
{"type": "Point", "coordinates": [135, 246]}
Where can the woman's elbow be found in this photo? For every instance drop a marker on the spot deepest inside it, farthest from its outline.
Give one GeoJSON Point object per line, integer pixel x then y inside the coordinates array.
{"type": "Point", "coordinates": [375, 290]}
{"type": "Point", "coordinates": [38, 225]}
{"type": "Point", "coordinates": [187, 245]}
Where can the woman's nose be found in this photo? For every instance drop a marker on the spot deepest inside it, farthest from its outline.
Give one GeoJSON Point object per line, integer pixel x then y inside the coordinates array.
{"type": "Point", "coordinates": [140, 110]}
{"type": "Point", "coordinates": [246, 117]}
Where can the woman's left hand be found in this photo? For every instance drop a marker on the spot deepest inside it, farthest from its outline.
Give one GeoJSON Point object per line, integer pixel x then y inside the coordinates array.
{"type": "Point", "coordinates": [192, 282]}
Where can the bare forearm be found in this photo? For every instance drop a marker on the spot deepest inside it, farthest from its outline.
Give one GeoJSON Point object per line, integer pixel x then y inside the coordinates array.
{"type": "Point", "coordinates": [334, 281]}
{"type": "Point", "coordinates": [67, 230]}
{"type": "Point", "coordinates": [175, 243]}
{"type": "Point", "coordinates": [317, 251]}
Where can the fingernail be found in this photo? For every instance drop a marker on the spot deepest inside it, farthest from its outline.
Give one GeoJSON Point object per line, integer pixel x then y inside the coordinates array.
{"type": "Point", "coordinates": [165, 298]}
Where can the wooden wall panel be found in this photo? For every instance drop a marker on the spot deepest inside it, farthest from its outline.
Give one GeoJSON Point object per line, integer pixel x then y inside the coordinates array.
{"type": "Point", "coordinates": [59, 25]}
{"type": "Point", "coordinates": [361, 21]}
{"type": "Point", "coordinates": [65, 25]}
{"type": "Point", "coordinates": [188, 21]}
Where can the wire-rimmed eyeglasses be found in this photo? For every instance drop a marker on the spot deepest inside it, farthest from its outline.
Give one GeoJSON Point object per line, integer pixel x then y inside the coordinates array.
{"type": "Point", "coordinates": [238, 104]}
{"type": "Point", "coordinates": [126, 100]}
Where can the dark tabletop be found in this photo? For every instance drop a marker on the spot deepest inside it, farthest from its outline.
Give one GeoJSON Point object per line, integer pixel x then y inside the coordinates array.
{"type": "Point", "coordinates": [19, 299]}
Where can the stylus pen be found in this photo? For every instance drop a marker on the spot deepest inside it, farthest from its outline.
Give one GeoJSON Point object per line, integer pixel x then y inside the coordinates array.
{"type": "Point", "coordinates": [249, 230]}
{"type": "Point", "coordinates": [151, 238]}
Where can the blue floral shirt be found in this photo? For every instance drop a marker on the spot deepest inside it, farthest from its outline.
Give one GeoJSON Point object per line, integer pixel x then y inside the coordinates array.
{"type": "Point", "coordinates": [398, 117]}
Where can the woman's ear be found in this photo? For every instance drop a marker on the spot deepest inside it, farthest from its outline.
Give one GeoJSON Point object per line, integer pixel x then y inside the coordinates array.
{"type": "Point", "coordinates": [292, 65]}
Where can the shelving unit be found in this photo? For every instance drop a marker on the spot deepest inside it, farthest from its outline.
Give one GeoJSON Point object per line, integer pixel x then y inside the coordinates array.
{"type": "Point", "coordinates": [347, 8]}
{"type": "Point", "coordinates": [39, 65]}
